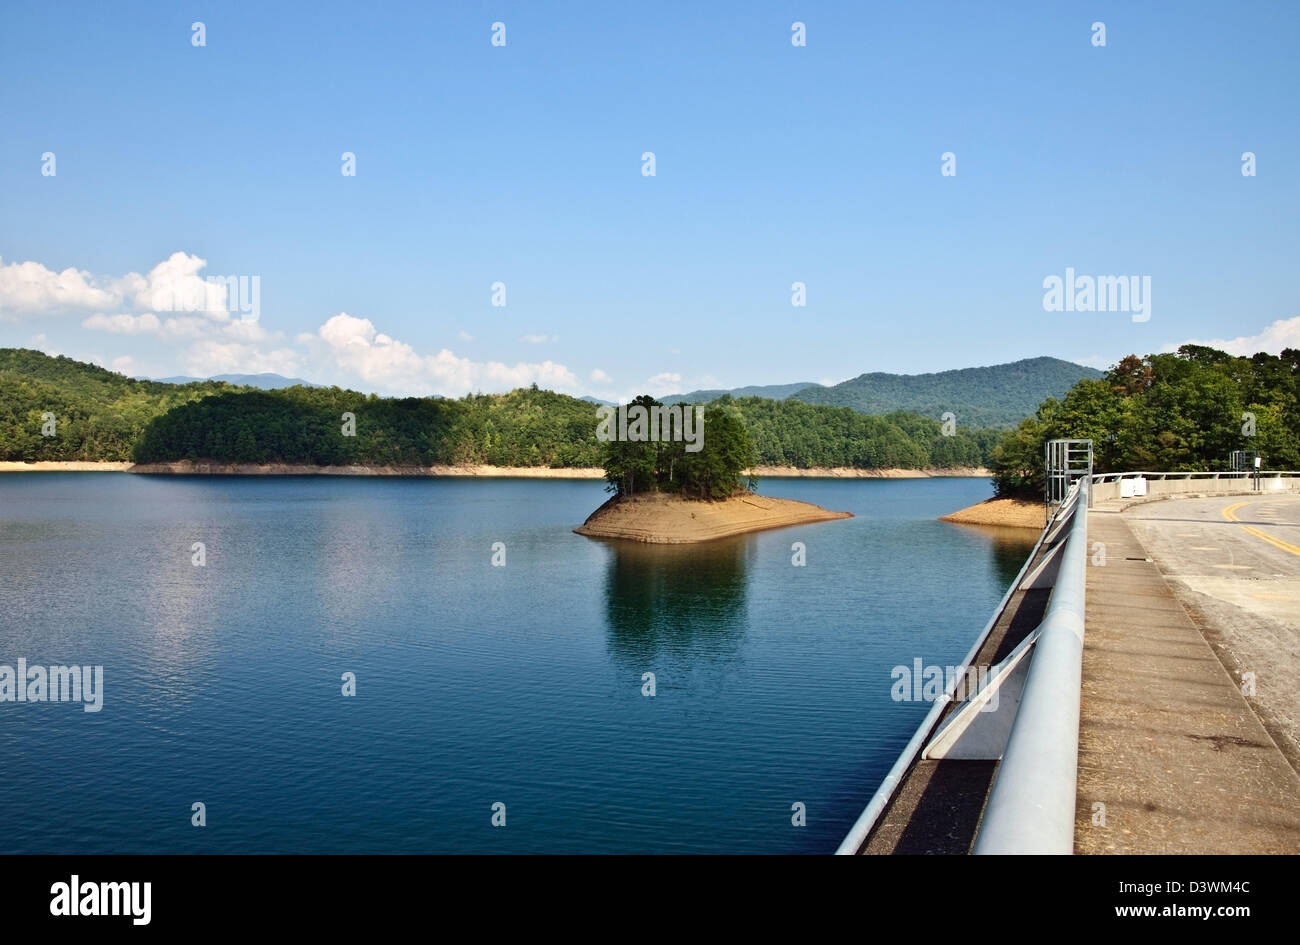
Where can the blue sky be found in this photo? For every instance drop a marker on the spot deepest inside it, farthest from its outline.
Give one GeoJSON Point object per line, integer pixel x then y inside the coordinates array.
{"type": "Point", "coordinates": [522, 164]}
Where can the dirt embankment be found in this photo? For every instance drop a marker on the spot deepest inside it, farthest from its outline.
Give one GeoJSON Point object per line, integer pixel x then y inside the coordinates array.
{"type": "Point", "coordinates": [1017, 513]}
{"type": "Point", "coordinates": [665, 519]}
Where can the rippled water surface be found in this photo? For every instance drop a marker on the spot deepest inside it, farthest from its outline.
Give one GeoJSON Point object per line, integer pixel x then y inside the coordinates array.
{"type": "Point", "coordinates": [475, 684]}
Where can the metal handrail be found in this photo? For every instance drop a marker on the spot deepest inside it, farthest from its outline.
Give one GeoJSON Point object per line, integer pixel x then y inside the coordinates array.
{"type": "Point", "coordinates": [857, 834]}
{"type": "Point", "coordinates": [1190, 474]}
{"type": "Point", "coordinates": [1032, 803]}
{"type": "Point", "coordinates": [1031, 807]}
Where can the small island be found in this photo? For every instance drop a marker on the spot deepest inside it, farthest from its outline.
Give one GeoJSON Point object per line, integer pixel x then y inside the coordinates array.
{"type": "Point", "coordinates": [678, 476]}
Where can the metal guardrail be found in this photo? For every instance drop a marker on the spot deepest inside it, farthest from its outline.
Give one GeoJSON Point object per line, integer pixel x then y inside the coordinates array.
{"type": "Point", "coordinates": [1031, 806]}
{"type": "Point", "coordinates": [1159, 476]}
{"type": "Point", "coordinates": [858, 833]}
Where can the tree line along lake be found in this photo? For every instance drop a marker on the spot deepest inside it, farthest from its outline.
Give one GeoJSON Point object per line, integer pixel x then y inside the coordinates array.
{"type": "Point", "coordinates": [520, 682]}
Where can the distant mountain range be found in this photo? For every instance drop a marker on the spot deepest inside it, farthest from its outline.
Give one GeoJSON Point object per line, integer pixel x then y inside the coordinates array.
{"type": "Point", "coordinates": [770, 391]}
{"type": "Point", "coordinates": [996, 396]}
{"type": "Point", "coordinates": [264, 381]}
{"type": "Point", "coordinates": [1000, 395]}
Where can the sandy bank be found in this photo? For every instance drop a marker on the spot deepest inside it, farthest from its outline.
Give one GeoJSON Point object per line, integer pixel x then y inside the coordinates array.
{"type": "Point", "coordinates": [848, 472]}
{"type": "Point", "coordinates": [285, 469]}
{"type": "Point", "coordinates": [1018, 513]}
{"type": "Point", "coordinates": [6, 466]}
{"type": "Point", "coordinates": [664, 519]}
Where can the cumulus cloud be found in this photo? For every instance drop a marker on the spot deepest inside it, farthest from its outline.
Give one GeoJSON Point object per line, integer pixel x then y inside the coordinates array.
{"type": "Point", "coordinates": [173, 285]}
{"type": "Point", "coordinates": [31, 288]}
{"type": "Point", "coordinates": [174, 302]}
{"type": "Point", "coordinates": [123, 324]}
{"type": "Point", "coordinates": [355, 345]}
{"type": "Point", "coordinates": [1283, 333]}
{"type": "Point", "coordinates": [208, 357]}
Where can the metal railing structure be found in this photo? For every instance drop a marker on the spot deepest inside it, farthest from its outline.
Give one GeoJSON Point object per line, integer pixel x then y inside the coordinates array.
{"type": "Point", "coordinates": [1184, 476]}
{"type": "Point", "coordinates": [862, 827]}
{"type": "Point", "coordinates": [1065, 462]}
{"type": "Point", "coordinates": [1157, 484]}
{"type": "Point", "coordinates": [1031, 806]}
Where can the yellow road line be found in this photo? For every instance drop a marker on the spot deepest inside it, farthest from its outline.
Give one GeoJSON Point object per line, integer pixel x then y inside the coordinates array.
{"type": "Point", "coordinates": [1230, 513]}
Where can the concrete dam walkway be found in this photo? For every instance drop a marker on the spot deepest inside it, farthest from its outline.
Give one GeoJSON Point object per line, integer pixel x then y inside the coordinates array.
{"type": "Point", "coordinates": [1168, 743]}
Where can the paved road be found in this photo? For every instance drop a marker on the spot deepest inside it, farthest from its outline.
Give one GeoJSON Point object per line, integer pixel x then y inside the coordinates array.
{"type": "Point", "coordinates": [1233, 562]}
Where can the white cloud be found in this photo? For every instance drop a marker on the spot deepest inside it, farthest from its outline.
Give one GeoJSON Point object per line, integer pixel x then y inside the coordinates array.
{"type": "Point", "coordinates": [185, 326]}
{"type": "Point", "coordinates": [600, 377]}
{"type": "Point", "coordinates": [245, 331]}
{"type": "Point", "coordinates": [464, 336]}
{"type": "Point", "coordinates": [540, 339]}
{"type": "Point", "coordinates": [123, 324]}
{"type": "Point", "coordinates": [30, 288]}
{"type": "Point", "coordinates": [208, 357]}
{"type": "Point", "coordinates": [1283, 333]}
{"type": "Point", "coordinates": [174, 285]}
{"type": "Point", "coordinates": [665, 383]}
{"type": "Point", "coordinates": [356, 346]}
{"type": "Point", "coordinates": [124, 365]}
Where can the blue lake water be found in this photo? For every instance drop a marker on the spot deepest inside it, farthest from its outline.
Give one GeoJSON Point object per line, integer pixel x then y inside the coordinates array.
{"type": "Point", "coordinates": [475, 684]}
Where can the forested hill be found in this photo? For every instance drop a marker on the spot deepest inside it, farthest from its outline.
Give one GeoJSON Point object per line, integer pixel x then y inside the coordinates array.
{"type": "Point", "coordinates": [104, 416]}
{"type": "Point", "coordinates": [1166, 412]}
{"type": "Point", "coordinates": [999, 395]}
{"type": "Point", "coordinates": [99, 415]}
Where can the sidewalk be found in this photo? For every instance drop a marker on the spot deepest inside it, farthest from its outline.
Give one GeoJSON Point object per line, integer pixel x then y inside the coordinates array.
{"type": "Point", "coordinates": [1166, 740]}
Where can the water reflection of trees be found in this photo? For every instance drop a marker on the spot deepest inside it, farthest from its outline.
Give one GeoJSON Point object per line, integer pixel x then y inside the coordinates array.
{"type": "Point", "coordinates": [679, 601]}
{"type": "Point", "coordinates": [1008, 549]}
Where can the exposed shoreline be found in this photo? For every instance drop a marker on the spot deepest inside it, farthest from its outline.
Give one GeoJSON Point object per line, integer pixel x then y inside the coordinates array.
{"type": "Point", "coordinates": [188, 468]}
{"type": "Point", "coordinates": [50, 466]}
{"type": "Point", "coordinates": [1014, 513]}
{"type": "Point", "coordinates": [656, 518]}
{"type": "Point", "coordinates": [849, 472]}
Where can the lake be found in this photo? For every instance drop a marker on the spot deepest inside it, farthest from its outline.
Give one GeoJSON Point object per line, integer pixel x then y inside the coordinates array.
{"type": "Point", "coordinates": [475, 684]}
